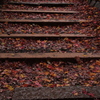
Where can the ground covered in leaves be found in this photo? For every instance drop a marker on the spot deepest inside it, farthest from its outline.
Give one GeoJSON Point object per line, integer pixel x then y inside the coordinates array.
{"type": "Point", "coordinates": [48, 74]}
{"type": "Point", "coordinates": [65, 45]}
{"type": "Point", "coordinates": [90, 29]}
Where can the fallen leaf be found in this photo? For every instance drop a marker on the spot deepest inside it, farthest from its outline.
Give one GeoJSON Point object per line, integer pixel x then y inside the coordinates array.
{"type": "Point", "coordinates": [75, 93]}
{"type": "Point", "coordinates": [38, 84]}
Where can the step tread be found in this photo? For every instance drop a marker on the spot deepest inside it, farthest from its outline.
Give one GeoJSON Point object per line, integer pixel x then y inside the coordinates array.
{"type": "Point", "coordinates": [45, 35]}
{"type": "Point", "coordinates": [63, 21]}
{"type": "Point", "coordinates": [49, 55]}
{"type": "Point", "coordinates": [39, 11]}
{"type": "Point", "coordinates": [31, 93]}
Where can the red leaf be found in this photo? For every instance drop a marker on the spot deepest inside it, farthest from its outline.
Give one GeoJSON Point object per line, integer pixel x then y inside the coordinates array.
{"type": "Point", "coordinates": [49, 66]}
{"type": "Point", "coordinates": [25, 85]}
{"type": "Point", "coordinates": [84, 91]}
{"type": "Point", "coordinates": [54, 85]}
{"type": "Point", "coordinates": [91, 94]}
{"type": "Point", "coordinates": [38, 84]}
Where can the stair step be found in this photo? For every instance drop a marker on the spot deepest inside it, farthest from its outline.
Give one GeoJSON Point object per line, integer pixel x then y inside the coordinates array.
{"type": "Point", "coordinates": [31, 93]}
{"type": "Point", "coordinates": [49, 55]}
{"type": "Point", "coordinates": [39, 21]}
{"type": "Point", "coordinates": [46, 3]}
{"type": "Point", "coordinates": [44, 35]}
{"type": "Point", "coordinates": [40, 11]}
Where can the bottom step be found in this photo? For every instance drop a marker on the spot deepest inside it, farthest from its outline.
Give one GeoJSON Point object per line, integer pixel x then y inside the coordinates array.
{"type": "Point", "coordinates": [29, 93]}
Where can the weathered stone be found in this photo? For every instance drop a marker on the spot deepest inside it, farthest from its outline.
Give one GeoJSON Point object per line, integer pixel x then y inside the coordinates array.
{"type": "Point", "coordinates": [54, 93]}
